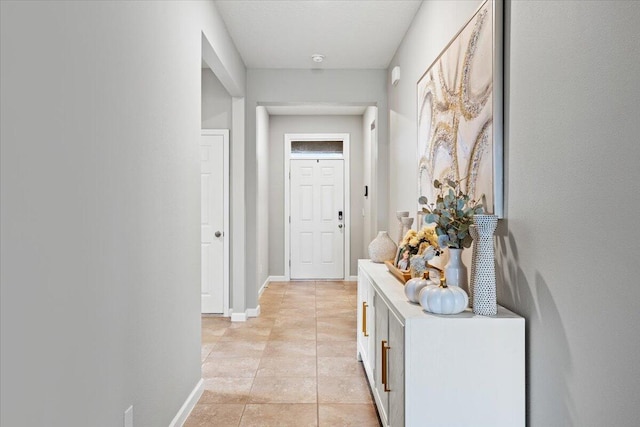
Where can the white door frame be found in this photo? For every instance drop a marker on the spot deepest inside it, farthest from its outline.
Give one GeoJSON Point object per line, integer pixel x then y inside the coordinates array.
{"type": "Point", "coordinates": [225, 210]}
{"type": "Point", "coordinates": [344, 137]}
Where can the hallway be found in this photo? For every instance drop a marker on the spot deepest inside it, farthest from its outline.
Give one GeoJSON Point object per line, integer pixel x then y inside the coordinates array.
{"type": "Point", "coordinates": [294, 365]}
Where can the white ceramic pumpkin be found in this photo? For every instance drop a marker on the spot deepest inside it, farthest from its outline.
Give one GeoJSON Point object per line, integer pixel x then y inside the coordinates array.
{"type": "Point", "coordinates": [443, 299]}
{"type": "Point", "coordinates": [413, 287]}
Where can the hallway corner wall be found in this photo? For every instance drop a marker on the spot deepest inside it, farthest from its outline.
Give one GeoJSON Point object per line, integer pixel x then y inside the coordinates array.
{"type": "Point", "coordinates": [264, 233]}
{"type": "Point", "coordinates": [100, 200]}
{"type": "Point", "coordinates": [216, 102]}
{"type": "Point", "coordinates": [266, 86]}
{"type": "Point", "coordinates": [281, 125]}
{"type": "Point", "coordinates": [370, 178]}
{"type": "Point", "coordinates": [566, 254]}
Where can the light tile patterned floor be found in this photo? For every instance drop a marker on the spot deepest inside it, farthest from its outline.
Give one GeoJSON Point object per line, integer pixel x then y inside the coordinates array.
{"type": "Point", "coordinates": [295, 365]}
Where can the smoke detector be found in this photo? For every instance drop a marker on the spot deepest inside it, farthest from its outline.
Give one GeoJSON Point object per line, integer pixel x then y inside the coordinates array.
{"type": "Point", "coordinates": [395, 75]}
{"type": "Point", "coordinates": [317, 57]}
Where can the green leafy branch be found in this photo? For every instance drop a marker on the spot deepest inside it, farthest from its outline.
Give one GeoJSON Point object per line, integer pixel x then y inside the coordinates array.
{"type": "Point", "coordinates": [452, 214]}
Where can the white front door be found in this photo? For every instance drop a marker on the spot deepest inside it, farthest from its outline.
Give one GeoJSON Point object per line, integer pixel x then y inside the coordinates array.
{"type": "Point", "coordinates": [213, 218]}
{"type": "Point", "coordinates": [317, 219]}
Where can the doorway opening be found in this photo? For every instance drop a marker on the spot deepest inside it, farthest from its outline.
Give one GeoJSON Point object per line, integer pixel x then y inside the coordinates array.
{"type": "Point", "coordinates": [317, 207]}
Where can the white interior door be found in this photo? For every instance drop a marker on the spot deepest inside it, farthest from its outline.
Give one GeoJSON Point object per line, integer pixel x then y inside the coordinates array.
{"type": "Point", "coordinates": [317, 219]}
{"type": "Point", "coordinates": [214, 180]}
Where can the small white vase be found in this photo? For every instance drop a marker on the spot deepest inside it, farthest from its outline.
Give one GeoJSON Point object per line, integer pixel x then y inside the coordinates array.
{"type": "Point", "coordinates": [382, 248]}
{"type": "Point", "coordinates": [400, 215]}
{"type": "Point", "coordinates": [455, 271]}
{"type": "Point", "coordinates": [406, 225]}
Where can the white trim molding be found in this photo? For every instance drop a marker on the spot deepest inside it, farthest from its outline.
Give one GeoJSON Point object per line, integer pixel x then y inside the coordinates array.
{"type": "Point", "coordinates": [345, 138]}
{"type": "Point", "coordinates": [226, 215]}
{"type": "Point", "coordinates": [238, 317]}
{"type": "Point", "coordinates": [270, 279]}
{"type": "Point", "coordinates": [188, 405]}
{"type": "Point", "coordinates": [264, 286]}
{"type": "Point", "coordinates": [253, 312]}
{"type": "Point", "coordinates": [242, 317]}
{"type": "Point", "coordinates": [238, 205]}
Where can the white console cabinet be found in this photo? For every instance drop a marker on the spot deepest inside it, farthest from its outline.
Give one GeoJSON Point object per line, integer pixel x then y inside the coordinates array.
{"type": "Point", "coordinates": [433, 370]}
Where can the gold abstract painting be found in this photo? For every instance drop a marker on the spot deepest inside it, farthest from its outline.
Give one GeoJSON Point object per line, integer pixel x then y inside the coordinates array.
{"type": "Point", "coordinates": [459, 120]}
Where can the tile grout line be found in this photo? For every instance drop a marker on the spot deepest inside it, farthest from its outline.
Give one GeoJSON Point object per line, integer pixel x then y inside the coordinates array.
{"type": "Point", "coordinates": [279, 298]}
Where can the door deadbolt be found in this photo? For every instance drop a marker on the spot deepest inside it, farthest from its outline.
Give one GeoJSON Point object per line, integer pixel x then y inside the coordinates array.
{"type": "Point", "coordinates": [339, 215]}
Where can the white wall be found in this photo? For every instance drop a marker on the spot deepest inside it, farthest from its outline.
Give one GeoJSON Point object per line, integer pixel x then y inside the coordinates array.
{"type": "Point", "coordinates": [261, 211]}
{"type": "Point", "coordinates": [433, 27]}
{"type": "Point", "coordinates": [216, 102]}
{"type": "Point", "coordinates": [100, 207]}
{"type": "Point", "coordinates": [219, 52]}
{"type": "Point", "coordinates": [279, 126]}
{"type": "Point", "coordinates": [305, 86]}
{"type": "Point", "coordinates": [567, 252]}
{"type": "Point", "coordinates": [369, 167]}
{"type": "Point", "coordinates": [221, 56]}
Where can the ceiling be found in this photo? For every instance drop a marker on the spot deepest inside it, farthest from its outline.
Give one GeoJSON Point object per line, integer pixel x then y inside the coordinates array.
{"type": "Point", "coordinates": [315, 110]}
{"type": "Point", "coordinates": [350, 34]}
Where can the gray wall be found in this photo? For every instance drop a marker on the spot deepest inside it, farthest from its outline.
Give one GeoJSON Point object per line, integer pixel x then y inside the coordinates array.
{"type": "Point", "coordinates": [216, 102]}
{"type": "Point", "coordinates": [369, 167]}
{"type": "Point", "coordinates": [567, 252]}
{"type": "Point", "coordinates": [305, 86]}
{"type": "Point", "coordinates": [100, 208]}
{"type": "Point", "coordinates": [279, 126]}
{"type": "Point", "coordinates": [263, 235]}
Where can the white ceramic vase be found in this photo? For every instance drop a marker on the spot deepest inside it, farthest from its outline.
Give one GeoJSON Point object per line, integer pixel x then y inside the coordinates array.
{"type": "Point", "coordinates": [407, 222]}
{"type": "Point", "coordinates": [382, 248]}
{"type": "Point", "coordinates": [399, 216]}
{"type": "Point", "coordinates": [455, 271]}
{"type": "Point", "coordinates": [484, 268]}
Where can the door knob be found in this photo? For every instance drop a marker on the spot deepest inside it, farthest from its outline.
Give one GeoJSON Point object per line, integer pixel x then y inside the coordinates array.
{"type": "Point", "coordinates": [218, 234]}
{"type": "Point", "coordinates": [339, 225]}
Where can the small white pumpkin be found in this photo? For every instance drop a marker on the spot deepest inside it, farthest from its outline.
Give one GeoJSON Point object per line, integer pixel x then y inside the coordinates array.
{"type": "Point", "coordinates": [443, 299]}
{"type": "Point", "coordinates": [413, 287]}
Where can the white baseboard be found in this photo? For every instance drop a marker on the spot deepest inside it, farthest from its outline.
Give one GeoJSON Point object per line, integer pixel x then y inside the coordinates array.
{"type": "Point", "coordinates": [270, 279]}
{"type": "Point", "coordinates": [188, 405]}
{"type": "Point", "coordinates": [238, 317]}
{"type": "Point", "coordinates": [285, 279]}
{"type": "Point", "coordinates": [264, 286]}
{"type": "Point", "coordinates": [253, 312]}
{"type": "Point", "coordinates": [249, 312]}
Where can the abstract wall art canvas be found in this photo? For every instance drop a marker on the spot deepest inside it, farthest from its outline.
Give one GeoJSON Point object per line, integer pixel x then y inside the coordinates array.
{"type": "Point", "coordinates": [460, 112]}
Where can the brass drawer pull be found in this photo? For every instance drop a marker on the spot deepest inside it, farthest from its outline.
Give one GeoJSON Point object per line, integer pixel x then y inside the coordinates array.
{"type": "Point", "coordinates": [364, 319]}
{"type": "Point", "coordinates": [385, 348]}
